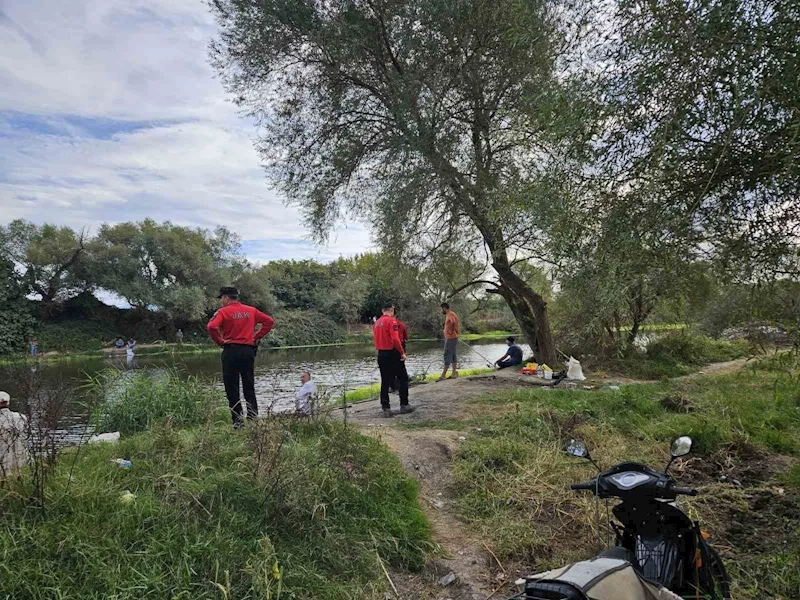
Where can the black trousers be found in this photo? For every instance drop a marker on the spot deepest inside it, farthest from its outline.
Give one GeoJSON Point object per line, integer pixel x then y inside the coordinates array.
{"type": "Point", "coordinates": [392, 369]}
{"type": "Point", "coordinates": [238, 360]}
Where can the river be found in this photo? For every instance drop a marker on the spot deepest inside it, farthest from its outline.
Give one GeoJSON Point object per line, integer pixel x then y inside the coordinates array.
{"type": "Point", "coordinates": [277, 371]}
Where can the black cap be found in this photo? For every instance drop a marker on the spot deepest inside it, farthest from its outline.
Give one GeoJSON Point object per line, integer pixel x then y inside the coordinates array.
{"type": "Point", "coordinates": [228, 291]}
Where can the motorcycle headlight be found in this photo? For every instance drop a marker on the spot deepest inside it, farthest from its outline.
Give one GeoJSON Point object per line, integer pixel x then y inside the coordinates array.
{"type": "Point", "coordinates": [628, 480]}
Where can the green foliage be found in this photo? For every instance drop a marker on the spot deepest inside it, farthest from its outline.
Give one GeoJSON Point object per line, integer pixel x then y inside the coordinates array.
{"type": "Point", "coordinates": [81, 335]}
{"type": "Point", "coordinates": [53, 258]}
{"type": "Point", "coordinates": [174, 268]}
{"type": "Point", "coordinates": [16, 322]}
{"type": "Point", "coordinates": [297, 284]}
{"type": "Point", "coordinates": [689, 349]}
{"type": "Point", "coordinates": [135, 401]}
{"type": "Point", "coordinates": [298, 328]}
{"type": "Point", "coordinates": [716, 162]}
{"type": "Point", "coordinates": [209, 519]}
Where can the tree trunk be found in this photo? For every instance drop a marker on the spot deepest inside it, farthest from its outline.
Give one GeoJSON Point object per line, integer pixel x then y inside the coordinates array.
{"type": "Point", "coordinates": [530, 311]}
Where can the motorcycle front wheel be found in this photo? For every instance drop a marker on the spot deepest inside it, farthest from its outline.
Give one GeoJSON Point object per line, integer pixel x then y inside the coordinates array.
{"type": "Point", "coordinates": [718, 586]}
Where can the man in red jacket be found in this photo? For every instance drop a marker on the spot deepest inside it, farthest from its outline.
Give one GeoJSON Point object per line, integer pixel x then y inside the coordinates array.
{"type": "Point", "coordinates": [234, 328]}
{"type": "Point", "coordinates": [391, 359]}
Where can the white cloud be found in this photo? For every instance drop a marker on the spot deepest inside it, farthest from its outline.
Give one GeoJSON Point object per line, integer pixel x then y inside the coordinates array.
{"type": "Point", "coordinates": [173, 149]}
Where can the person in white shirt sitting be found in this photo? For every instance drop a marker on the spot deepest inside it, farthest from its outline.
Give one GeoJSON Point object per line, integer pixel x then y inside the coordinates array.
{"type": "Point", "coordinates": [305, 397]}
{"type": "Point", "coordinates": [13, 439]}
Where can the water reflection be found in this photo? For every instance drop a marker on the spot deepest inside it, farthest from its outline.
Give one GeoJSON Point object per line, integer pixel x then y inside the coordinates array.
{"type": "Point", "coordinates": [277, 372]}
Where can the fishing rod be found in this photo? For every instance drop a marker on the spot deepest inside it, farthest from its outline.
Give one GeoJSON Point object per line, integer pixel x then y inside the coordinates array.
{"type": "Point", "coordinates": [488, 363]}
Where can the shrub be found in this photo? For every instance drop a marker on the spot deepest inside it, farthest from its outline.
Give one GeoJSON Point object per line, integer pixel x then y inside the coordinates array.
{"type": "Point", "coordinates": [134, 401]}
{"type": "Point", "coordinates": [297, 328]}
{"type": "Point", "coordinates": [207, 523]}
{"type": "Point", "coordinates": [694, 350]}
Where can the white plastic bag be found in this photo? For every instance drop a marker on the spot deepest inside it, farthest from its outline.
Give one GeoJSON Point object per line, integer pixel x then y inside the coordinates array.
{"type": "Point", "coordinates": [107, 438]}
{"type": "Point", "coordinates": [574, 370]}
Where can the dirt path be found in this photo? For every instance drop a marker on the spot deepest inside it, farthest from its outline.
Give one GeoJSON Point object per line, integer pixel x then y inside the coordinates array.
{"type": "Point", "coordinates": [426, 454]}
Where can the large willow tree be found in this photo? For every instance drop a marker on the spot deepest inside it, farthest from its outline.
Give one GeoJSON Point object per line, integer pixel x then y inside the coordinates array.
{"type": "Point", "coordinates": [425, 116]}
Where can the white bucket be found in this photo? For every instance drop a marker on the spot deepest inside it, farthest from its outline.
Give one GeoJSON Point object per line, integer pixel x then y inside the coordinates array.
{"type": "Point", "coordinates": [548, 374]}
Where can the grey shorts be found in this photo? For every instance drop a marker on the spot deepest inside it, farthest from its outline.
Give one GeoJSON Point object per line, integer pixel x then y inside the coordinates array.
{"type": "Point", "coordinates": [450, 351]}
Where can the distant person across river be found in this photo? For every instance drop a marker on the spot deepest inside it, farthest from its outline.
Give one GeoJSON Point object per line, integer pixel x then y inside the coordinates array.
{"type": "Point", "coordinates": [179, 337]}
{"type": "Point", "coordinates": [119, 343]}
{"type": "Point", "coordinates": [34, 347]}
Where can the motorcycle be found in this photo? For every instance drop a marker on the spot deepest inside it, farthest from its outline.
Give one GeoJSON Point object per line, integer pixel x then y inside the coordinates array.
{"type": "Point", "coordinates": [664, 550]}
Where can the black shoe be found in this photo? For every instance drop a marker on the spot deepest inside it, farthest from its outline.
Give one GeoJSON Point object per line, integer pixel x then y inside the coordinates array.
{"type": "Point", "coordinates": [406, 409]}
{"type": "Point", "coordinates": [238, 424]}
{"type": "Point", "coordinates": [387, 413]}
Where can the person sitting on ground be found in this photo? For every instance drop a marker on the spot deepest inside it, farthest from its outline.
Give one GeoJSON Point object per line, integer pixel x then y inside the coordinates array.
{"type": "Point", "coordinates": [119, 343]}
{"type": "Point", "coordinates": [13, 439]}
{"type": "Point", "coordinates": [512, 357]}
{"type": "Point", "coordinates": [305, 397]}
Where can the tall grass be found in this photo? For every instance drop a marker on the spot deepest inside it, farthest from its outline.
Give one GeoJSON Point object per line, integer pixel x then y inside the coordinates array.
{"type": "Point", "coordinates": [207, 523]}
{"type": "Point", "coordinates": [134, 401]}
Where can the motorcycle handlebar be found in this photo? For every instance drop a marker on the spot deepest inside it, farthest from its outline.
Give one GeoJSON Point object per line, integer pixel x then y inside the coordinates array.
{"type": "Point", "coordinates": [684, 491]}
{"type": "Point", "coordinates": [586, 485]}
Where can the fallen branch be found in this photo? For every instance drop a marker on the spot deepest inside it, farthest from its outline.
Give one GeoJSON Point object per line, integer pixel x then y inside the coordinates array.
{"type": "Point", "coordinates": [489, 550]}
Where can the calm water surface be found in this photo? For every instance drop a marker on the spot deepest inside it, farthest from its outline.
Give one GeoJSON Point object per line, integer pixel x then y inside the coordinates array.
{"type": "Point", "coordinates": [277, 371]}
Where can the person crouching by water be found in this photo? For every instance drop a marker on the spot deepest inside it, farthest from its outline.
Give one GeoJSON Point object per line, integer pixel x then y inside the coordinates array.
{"type": "Point", "coordinates": [391, 359]}
{"type": "Point", "coordinates": [234, 328]}
{"type": "Point", "coordinates": [305, 397]}
{"type": "Point", "coordinates": [512, 357]}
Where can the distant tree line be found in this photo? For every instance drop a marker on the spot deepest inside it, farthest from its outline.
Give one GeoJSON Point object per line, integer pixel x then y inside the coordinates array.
{"type": "Point", "coordinates": [170, 276]}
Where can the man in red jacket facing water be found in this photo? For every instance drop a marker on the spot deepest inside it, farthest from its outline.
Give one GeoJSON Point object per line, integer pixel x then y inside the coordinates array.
{"type": "Point", "coordinates": [234, 328]}
{"type": "Point", "coordinates": [391, 359]}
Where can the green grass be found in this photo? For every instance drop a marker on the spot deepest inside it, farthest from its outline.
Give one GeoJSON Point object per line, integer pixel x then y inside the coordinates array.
{"type": "Point", "coordinates": [674, 355]}
{"type": "Point", "coordinates": [134, 401]}
{"type": "Point", "coordinates": [211, 521]}
{"type": "Point", "coordinates": [372, 391]}
{"type": "Point", "coordinates": [512, 478]}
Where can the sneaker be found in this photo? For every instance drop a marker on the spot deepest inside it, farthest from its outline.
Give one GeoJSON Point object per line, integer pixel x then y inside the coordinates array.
{"type": "Point", "coordinates": [406, 409]}
{"type": "Point", "coordinates": [387, 413]}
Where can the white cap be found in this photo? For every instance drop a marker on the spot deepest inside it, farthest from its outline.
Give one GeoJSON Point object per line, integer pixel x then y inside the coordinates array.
{"type": "Point", "coordinates": [4, 398]}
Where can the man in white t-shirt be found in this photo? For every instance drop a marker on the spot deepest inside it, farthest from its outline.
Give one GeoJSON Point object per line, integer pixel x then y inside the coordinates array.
{"type": "Point", "coordinates": [13, 439]}
{"type": "Point", "coordinates": [305, 396]}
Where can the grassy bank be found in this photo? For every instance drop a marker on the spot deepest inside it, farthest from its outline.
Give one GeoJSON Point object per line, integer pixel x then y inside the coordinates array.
{"type": "Point", "coordinates": [672, 355]}
{"type": "Point", "coordinates": [372, 391]}
{"type": "Point", "coordinates": [512, 478]}
{"type": "Point", "coordinates": [281, 509]}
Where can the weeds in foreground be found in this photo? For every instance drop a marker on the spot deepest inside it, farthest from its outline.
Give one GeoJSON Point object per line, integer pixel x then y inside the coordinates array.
{"type": "Point", "coordinates": [134, 401]}
{"type": "Point", "coordinates": [208, 518]}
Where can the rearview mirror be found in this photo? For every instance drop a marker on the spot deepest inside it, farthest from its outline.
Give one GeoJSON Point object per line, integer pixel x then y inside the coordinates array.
{"type": "Point", "coordinates": [576, 448]}
{"type": "Point", "coordinates": [681, 446]}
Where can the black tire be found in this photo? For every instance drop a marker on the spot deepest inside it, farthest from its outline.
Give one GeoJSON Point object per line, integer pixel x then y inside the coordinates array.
{"type": "Point", "coordinates": [719, 585]}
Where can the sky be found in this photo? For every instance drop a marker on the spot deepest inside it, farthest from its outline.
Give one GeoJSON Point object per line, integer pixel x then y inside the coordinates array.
{"type": "Point", "coordinates": [109, 112]}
